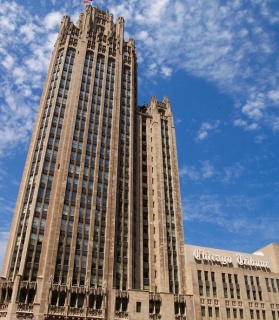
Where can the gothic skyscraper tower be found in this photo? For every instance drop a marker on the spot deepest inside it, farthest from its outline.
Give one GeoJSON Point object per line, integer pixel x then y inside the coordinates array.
{"type": "Point", "coordinates": [97, 230]}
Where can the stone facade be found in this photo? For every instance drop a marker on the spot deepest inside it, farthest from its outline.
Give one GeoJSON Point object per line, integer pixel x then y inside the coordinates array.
{"type": "Point", "coordinates": [233, 285]}
{"type": "Point", "coordinates": [97, 229]}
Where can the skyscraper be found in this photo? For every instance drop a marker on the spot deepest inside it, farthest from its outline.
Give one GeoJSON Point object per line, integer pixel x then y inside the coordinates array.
{"type": "Point", "coordinates": [97, 229]}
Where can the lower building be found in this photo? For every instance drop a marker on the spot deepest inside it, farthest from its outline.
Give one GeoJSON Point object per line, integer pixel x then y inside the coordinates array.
{"type": "Point", "coordinates": [220, 285]}
{"type": "Point", "coordinates": [233, 285]}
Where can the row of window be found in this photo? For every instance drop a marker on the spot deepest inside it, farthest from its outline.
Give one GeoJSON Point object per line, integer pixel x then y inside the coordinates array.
{"type": "Point", "coordinates": [171, 235]}
{"type": "Point", "coordinates": [234, 313]}
{"type": "Point", "coordinates": [121, 228]}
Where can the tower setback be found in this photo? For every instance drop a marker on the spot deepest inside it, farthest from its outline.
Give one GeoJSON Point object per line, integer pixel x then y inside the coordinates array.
{"type": "Point", "coordinates": [97, 229]}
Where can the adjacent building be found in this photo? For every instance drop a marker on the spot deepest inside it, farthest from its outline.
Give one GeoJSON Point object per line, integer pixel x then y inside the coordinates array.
{"type": "Point", "coordinates": [97, 230]}
{"type": "Point", "coordinates": [233, 285]}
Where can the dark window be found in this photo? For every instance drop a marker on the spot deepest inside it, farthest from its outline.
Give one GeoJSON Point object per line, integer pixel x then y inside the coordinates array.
{"type": "Point", "coordinates": [138, 306]}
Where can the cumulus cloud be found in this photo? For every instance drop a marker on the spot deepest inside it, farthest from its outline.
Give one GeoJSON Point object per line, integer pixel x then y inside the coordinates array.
{"type": "Point", "coordinates": [8, 62]}
{"type": "Point", "coordinates": [247, 127]}
{"type": "Point", "coordinates": [52, 20]}
{"type": "Point", "coordinates": [26, 45]}
{"type": "Point", "coordinates": [274, 95]}
{"type": "Point", "coordinates": [190, 172]}
{"type": "Point", "coordinates": [260, 138]}
{"type": "Point", "coordinates": [205, 171]}
{"type": "Point", "coordinates": [252, 127]}
{"type": "Point", "coordinates": [206, 128]}
{"type": "Point", "coordinates": [253, 109]}
{"type": "Point", "coordinates": [240, 123]}
{"type": "Point", "coordinates": [166, 71]}
{"type": "Point", "coordinates": [231, 173]}
{"type": "Point", "coordinates": [233, 213]}
{"type": "Point", "coordinates": [3, 244]}
{"type": "Point", "coordinates": [227, 44]}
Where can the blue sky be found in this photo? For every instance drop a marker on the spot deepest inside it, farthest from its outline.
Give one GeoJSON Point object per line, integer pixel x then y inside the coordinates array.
{"type": "Point", "coordinates": [218, 63]}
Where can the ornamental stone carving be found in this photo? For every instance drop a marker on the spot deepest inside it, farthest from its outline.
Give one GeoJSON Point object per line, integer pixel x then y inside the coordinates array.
{"type": "Point", "coordinates": [153, 296]}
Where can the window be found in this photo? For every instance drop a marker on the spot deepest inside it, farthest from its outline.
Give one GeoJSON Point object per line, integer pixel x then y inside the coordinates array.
{"type": "Point", "coordinates": [235, 313]}
{"type": "Point", "coordinates": [228, 310]}
{"type": "Point", "coordinates": [203, 311]}
{"type": "Point", "coordinates": [214, 292]}
{"type": "Point", "coordinates": [213, 276]}
{"type": "Point", "coordinates": [223, 277]}
{"type": "Point", "coordinates": [252, 314]}
{"type": "Point", "coordinates": [235, 279]}
{"type": "Point", "coordinates": [210, 311]}
{"type": "Point", "coordinates": [241, 313]}
{"type": "Point", "coordinates": [138, 306]}
{"type": "Point", "coordinates": [225, 292]}
{"type": "Point", "coordinates": [217, 312]}
{"type": "Point", "coordinates": [238, 293]}
{"type": "Point", "coordinates": [248, 294]}
{"type": "Point", "coordinates": [201, 290]}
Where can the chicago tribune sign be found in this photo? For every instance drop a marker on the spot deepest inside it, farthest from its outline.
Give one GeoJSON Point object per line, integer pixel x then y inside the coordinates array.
{"type": "Point", "coordinates": [240, 259]}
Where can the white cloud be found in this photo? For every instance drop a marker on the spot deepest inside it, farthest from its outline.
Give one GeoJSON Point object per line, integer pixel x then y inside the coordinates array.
{"type": "Point", "coordinates": [8, 62]}
{"type": "Point", "coordinates": [166, 71]}
{"type": "Point", "coordinates": [28, 31]}
{"type": "Point", "coordinates": [232, 213]}
{"type": "Point", "coordinates": [3, 244]}
{"type": "Point", "coordinates": [260, 138]}
{"type": "Point", "coordinates": [3, 173]}
{"type": "Point", "coordinates": [142, 35]}
{"type": "Point", "coordinates": [202, 135]}
{"type": "Point", "coordinates": [247, 127]}
{"type": "Point", "coordinates": [207, 127]}
{"type": "Point", "coordinates": [252, 127]}
{"type": "Point", "coordinates": [52, 20]}
{"type": "Point", "coordinates": [232, 173]}
{"type": "Point", "coordinates": [190, 172]}
{"type": "Point", "coordinates": [254, 108]}
{"type": "Point", "coordinates": [26, 47]}
{"type": "Point", "coordinates": [178, 121]}
{"type": "Point", "coordinates": [274, 95]}
{"type": "Point", "coordinates": [228, 44]}
{"type": "Point", "coordinates": [239, 123]}
{"type": "Point", "coordinates": [205, 171]}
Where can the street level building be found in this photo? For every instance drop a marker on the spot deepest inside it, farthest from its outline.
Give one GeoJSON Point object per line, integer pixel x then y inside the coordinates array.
{"type": "Point", "coordinates": [233, 285]}
{"type": "Point", "coordinates": [97, 229]}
